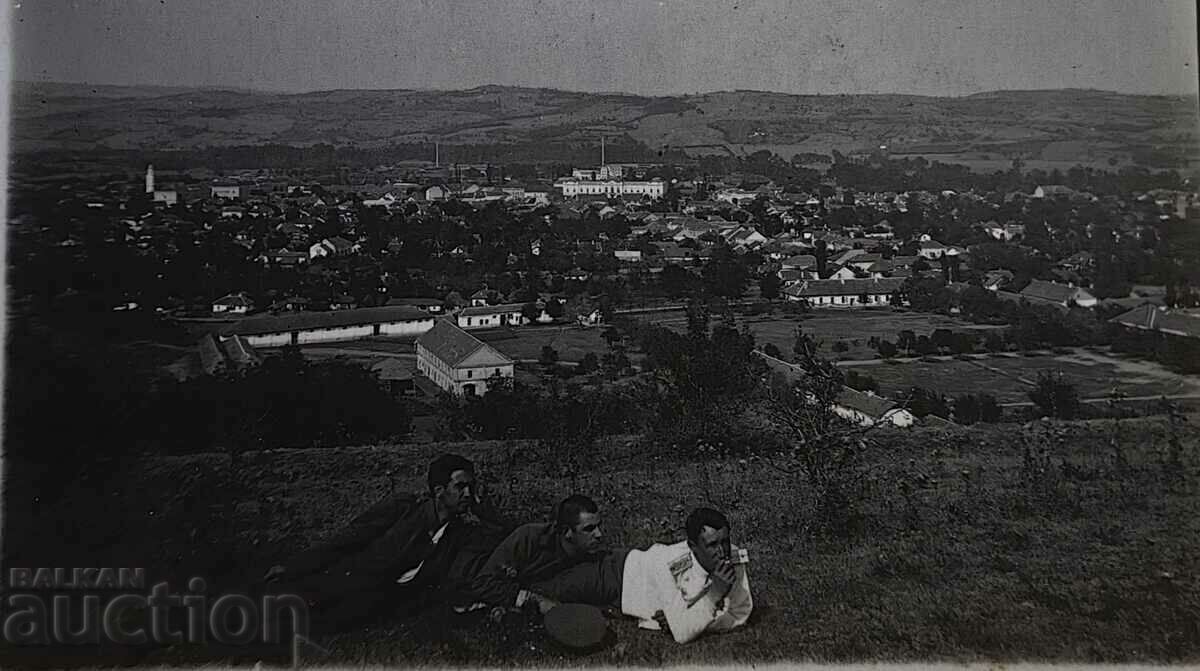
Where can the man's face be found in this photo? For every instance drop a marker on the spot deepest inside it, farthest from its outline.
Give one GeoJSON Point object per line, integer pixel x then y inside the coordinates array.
{"type": "Point", "coordinates": [458, 495]}
{"type": "Point", "coordinates": [585, 537]}
{"type": "Point", "coordinates": [711, 548]}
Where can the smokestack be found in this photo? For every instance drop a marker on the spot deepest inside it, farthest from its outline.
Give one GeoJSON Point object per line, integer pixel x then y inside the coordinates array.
{"type": "Point", "coordinates": [437, 158]}
{"type": "Point", "coordinates": [601, 151]}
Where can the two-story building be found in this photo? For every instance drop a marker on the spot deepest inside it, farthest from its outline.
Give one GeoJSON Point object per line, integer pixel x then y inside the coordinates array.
{"type": "Point", "coordinates": [457, 361]}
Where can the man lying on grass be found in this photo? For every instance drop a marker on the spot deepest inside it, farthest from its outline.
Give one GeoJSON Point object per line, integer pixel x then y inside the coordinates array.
{"type": "Point", "coordinates": [400, 555]}
{"type": "Point", "coordinates": [536, 552]}
{"type": "Point", "coordinates": [698, 585]}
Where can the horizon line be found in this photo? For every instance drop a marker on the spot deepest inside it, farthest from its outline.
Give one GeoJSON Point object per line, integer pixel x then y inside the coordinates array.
{"type": "Point", "coordinates": [293, 92]}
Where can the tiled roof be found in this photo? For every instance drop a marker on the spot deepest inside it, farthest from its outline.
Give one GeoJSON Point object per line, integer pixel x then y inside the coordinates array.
{"type": "Point", "coordinates": [1150, 318]}
{"type": "Point", "coordinates": [885, 285]}
{"type": "Point", "coordinates": [313, 320]}
{"type": "Point", "coordinates": [869, 405]}
{"type": "Point", "coordinates": [491, 309]}
{"type": "Point", "coordinates": [431, 302]}
{"type": "Point", "coordinates": [800, 261]}
{"type": "Point", "coordinates": [1049, 291]}
{"type": "Point", "coordinates": [451, 344]}
{"type": "Point", "coordinates": [234, 300]}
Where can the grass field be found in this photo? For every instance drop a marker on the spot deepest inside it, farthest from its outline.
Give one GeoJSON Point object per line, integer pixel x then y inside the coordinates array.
{"type": "Point", "coordinates": [854, 328]}
{"type": "Point", "coordinates": [1010, 379]}
{"type": "Point", "coordinates": [965, 554]}
{"type": "Point", "coordinates": [572, 343]}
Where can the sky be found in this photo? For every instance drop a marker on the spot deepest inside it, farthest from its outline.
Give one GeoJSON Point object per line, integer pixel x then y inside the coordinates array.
{"type": "Point", "coordinates": [651, 47]}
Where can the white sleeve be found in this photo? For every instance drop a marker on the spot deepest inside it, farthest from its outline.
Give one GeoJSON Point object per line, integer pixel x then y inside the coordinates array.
{"type": "Point", "coordinates": [686, 622]}
{"type": "Point", "coordinates": [739, 604]}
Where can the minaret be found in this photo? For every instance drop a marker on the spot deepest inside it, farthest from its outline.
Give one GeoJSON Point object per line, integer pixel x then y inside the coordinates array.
{"type": "Point", "coordinates": [436, 155]}
{"type": "Point", "coordinates": [150, 179]}
{"type": "Point", "coordinates": [602, 151]}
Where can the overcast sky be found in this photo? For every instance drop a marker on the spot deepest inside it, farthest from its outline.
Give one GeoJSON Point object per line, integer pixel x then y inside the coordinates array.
{"type": "Point", "coordinates": [933, 47]}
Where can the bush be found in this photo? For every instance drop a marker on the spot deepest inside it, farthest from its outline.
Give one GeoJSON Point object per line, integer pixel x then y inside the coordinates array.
{"type": "Point", "coordinates": [861, 381]}
{"type": "Point", "coordinates": [589, 364]}
{"type": "Point", "coordinates": [1056, 396]}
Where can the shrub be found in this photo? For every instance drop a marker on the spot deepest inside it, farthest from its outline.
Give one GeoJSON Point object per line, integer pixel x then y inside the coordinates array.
{"type": "Point", "coordinates": [1055, 395]}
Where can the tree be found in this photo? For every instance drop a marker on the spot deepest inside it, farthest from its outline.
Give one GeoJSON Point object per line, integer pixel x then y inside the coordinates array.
{"type": "Point", "coordinates": [768, 286]}
{"type": "Point", "coordinates": [906, 340]}
{"type": "Point", "coordinates": [923, 402]}
{"type": "Point", "coordinates": [943, 339]}
{"type": "Point", "coordinates": [697, 319]}
{"type": "Point", "coordinates": [861, 382]}
{"type": "Point", "coordinates": [588, 364]}
{"type": "Point", "coordinates": [549, 356]}
{"type": "Point", "coordinates": [805, 348]}
{"type": "Point", "coordinates": [530, 312]}
{"type": "Point", "coordinates": [1055, 395]}
{"type": "Point", "coordinates": [886, 349]}
{"type": "Point", "coordinates": [966, 409]}
{"type": "Point", "coordinates": [771, 350]}
{"type": "Point", "coordinates": [677, 281]}
{"type": "Point", "coordinates": [724, 274]}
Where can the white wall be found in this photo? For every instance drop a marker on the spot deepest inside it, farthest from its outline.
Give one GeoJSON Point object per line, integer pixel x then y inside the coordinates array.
{"type": "Point", "coordinates": [451, 379]}
{"type": "Point", "coordinates": [406, 327]}
{"type": "Point", "coordinates": [269, 339]}
{"type": "Point", "coordinates": [336, 333]}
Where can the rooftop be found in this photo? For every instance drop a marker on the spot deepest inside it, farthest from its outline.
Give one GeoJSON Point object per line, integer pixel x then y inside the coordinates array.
{"type": "Point", "coordinates": [451, 344]}
{"type": "Point", "coordinates": [303, 321]}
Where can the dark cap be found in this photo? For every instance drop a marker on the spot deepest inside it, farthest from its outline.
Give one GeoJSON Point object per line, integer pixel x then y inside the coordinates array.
{"type": "Point", "coordinates": [576, 625]}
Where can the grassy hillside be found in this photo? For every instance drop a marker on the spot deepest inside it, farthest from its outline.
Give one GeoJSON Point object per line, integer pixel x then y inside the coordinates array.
{"type": "Point", "coordinates": [989, 542]}
{"type": "Point", "coordinates": [1043, 128]}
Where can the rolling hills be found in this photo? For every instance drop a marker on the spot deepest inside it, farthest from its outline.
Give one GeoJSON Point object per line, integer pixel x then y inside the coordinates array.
{"type": "Point", "coordinates": [1055, 128]}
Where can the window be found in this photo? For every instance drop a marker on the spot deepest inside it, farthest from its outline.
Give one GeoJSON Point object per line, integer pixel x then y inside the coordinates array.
{"type": "Point", "coordinates": [497, 371]}
{"type": "Point", "coordinates": [470, 373]}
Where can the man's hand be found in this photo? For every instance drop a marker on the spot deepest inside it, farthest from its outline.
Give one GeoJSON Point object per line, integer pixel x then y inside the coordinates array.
{"type": "Point", "coordinates": [722, 578]}
{"type": "Point", "coordinates": [544, 604]}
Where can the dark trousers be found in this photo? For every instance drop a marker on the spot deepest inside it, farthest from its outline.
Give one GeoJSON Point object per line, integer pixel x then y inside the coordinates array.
{"type": "Point", "coordinates": [594, 582]}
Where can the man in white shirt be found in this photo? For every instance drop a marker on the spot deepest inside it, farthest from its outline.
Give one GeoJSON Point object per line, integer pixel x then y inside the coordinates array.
{"type": "Point", "coordinates": [698, 585]}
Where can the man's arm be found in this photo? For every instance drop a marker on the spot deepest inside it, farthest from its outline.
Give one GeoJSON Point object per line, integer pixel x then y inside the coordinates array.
{"type": "Point", "coordinates": [739, 604]}
{"type": "Point", "coordinates": [496, 583]}
{"type": "Point", "coordinates": [686, 622]}
{"type": "Point", "coordinates": [355, 536]}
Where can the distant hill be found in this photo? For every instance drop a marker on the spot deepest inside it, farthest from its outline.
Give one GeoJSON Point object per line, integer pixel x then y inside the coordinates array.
{"type": "Point", "coordinates": [1059, 127]}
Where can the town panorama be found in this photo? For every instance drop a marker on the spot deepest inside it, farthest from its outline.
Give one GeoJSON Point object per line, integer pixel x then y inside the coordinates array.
{"type": "Point", "coordinates": [944, 390]}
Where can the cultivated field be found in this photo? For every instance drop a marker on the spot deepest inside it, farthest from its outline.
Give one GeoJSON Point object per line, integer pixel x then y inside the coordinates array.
{"type": "Point", "coordinates": [966, 552]}
{"type": "Point", "coordinates": [852, 328]}
{"type": "Point", "coordinates": [1010, 377]}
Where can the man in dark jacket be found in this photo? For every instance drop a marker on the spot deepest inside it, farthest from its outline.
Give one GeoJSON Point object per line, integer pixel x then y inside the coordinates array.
{"type": "Point", "coordinates": [524, 565]}
{"type": "Point", "coordinates": [398, 556]}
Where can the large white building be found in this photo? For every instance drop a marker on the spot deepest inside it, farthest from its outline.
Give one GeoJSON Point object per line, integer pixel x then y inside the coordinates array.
{"type": "Point", "coordinates": [313, 327]}
{"type": "Point", "coordinates": [845, 292]}
{"type": "Point", "coordinates": [607, 181]}
{"type": "Point", "coordinates": [457, 361]}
